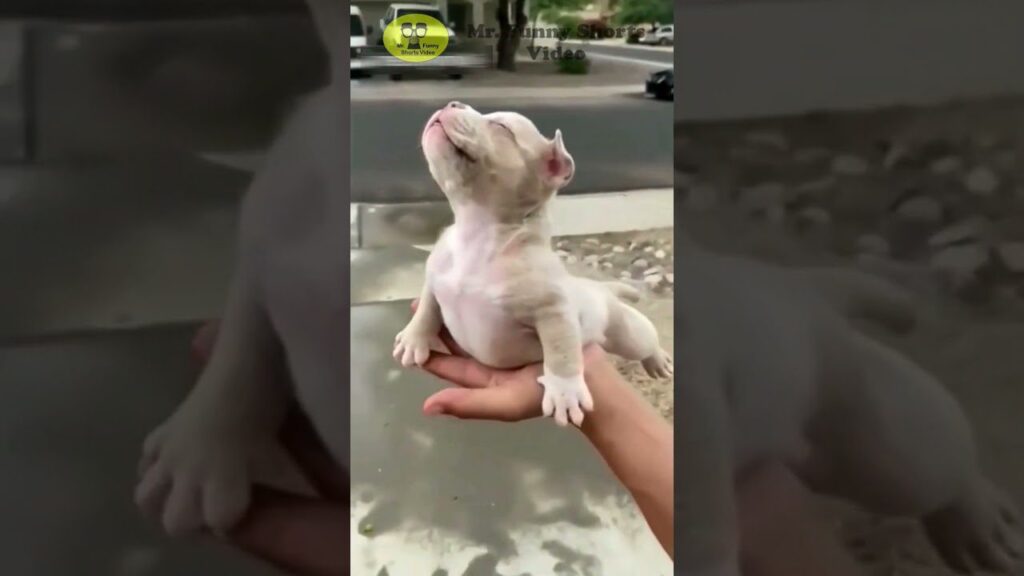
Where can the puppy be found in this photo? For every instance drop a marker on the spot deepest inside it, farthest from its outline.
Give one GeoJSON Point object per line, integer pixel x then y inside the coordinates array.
{"type": "Point", "coordinates": [493, 279]}
{"type": "Point", "coordinates": [772, 371]}
{"type": "Point", "coordinates": [286, 311]}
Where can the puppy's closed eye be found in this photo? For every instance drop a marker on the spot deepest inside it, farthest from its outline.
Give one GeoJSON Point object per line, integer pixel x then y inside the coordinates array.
{"type": "Point", "coordinates": [505, 128]}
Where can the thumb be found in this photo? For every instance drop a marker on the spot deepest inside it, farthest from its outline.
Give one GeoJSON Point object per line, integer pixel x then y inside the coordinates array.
{"type": "Point", "coordinates": [496, 403]}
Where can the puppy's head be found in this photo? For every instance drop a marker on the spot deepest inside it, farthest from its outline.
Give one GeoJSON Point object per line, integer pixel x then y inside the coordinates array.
{"type": "Point", "coordinates": [498, 160]}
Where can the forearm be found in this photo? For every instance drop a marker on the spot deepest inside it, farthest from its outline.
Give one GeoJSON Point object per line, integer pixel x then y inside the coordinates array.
{"type": "Point", "coordinates": [636, 443]}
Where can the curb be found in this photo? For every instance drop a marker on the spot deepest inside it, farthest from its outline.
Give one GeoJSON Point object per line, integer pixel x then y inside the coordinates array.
{"type": "Point", "coordinates": [374, 226]}
{"type": "Point", "coordinates": [502, 92]}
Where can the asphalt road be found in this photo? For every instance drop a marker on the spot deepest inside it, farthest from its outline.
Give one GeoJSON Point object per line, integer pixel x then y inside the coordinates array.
{"type": "Point", "coordinates": [665, 57]}
{"type": "Point", "coordinates": [621, 143]}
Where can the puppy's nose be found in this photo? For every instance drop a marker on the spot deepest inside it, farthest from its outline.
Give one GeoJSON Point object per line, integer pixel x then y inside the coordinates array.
{"type": "Point", "coordinates": [456, 104]}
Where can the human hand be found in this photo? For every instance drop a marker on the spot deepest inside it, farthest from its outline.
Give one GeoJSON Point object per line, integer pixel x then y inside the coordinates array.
{"type": "Point", "coordinates": [299, 534]}
{"type": "Point", "coordinates": [484, 393]}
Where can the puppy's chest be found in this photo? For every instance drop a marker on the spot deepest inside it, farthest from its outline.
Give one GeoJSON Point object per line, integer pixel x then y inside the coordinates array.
{"type": "Point", "coordinates": [471, 293]}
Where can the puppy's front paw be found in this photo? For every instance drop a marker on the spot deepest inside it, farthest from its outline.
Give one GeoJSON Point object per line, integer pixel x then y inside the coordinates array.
{"type": "Point", "coordinates": [194, 474]}
{"type": "Point", "coordinates": [413, 346]}
{"type": "Point", "coordinates": [564, 397]}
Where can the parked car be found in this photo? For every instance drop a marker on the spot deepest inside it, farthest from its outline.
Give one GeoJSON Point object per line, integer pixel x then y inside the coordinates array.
{"type": "Point", "coordinates": [663, 36]}
{"type": "Point", "coordinates": [357, 40]}
{"type": "Point", "coordinates": [662, 85]}
{"type": "Point", "coordinates": [398, 10]}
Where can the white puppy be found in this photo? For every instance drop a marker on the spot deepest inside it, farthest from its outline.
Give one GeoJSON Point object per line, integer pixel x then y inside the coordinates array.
{"type": "Point", "coordinates": [771, 370]}
{"type": "Point", "coordinates": [286, 309]}
{"type": "Point", "coordinates": [493, 279]}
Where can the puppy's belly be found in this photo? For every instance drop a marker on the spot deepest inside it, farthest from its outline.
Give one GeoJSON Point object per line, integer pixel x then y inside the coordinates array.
{"type": "Point", "coordinates": [488, 333]}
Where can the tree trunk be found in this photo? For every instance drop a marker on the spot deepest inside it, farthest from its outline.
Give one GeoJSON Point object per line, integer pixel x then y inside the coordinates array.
{"type": "Point", "coordinates": [510, 33]}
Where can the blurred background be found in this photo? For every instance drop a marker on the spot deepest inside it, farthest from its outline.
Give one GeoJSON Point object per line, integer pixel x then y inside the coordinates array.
{"type": "Point", "coordinates": [886, 136]}
{"type": "Point", "coordinates": [128, 132]}
{"type": "Point", "coordinates": [479, 498]}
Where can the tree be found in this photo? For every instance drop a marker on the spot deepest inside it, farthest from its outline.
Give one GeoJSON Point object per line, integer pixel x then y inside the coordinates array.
{"type": "Point", "coordinates": [510, 32]}
{"type": "Point", "coordinates": [644, 11]}
{"type": "Point", "coordinates": [550, 9]}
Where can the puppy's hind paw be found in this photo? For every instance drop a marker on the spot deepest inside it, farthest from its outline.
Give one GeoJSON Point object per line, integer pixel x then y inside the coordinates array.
{"type": "Point", "coordinates": [565, 398]}
{"type": "Point", "coordinates": [981, 531]}
{"type": "Point", "coordinates": [658, 365]}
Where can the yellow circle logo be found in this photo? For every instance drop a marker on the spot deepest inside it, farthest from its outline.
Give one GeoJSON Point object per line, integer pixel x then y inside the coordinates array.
{"type": "Point", "coordinates": [415, 38]}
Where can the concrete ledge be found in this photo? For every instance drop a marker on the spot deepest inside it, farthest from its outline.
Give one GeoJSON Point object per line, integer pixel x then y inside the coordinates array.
{"type": "Point", "coordinates": [419, 223]}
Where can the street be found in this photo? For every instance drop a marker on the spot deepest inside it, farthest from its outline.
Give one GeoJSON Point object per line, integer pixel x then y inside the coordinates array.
{"type": "Point", "coordinates": [627, 53]}
{"type": "Point", "coordinates": [619, 143]}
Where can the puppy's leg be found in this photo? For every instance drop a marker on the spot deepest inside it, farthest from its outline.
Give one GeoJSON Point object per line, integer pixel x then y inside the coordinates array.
{"type": "Point", "coordinates": [565, 391]}
{"type": "Point", "coordinates": [632, 335]}
{"type": "Point", "coordinates": [421, 335]}
{"type": "Point", "coordinates": [898, 443]}
{"type": "Point", "coordinates": [861, 295]}
{"type": "Point", "coordinates": [196, 467]}
{"type": "Point", "coordinates": [705, 518]}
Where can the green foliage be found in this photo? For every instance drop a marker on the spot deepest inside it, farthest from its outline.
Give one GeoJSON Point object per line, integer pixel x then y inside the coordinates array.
{"type": "Point", "coordinates": [644, 12]}
{"type": "Point", "coordinates": [574, 66]}
{"type": "Point", "coordinates": [569, 22]}
{"type": "Point", "coordinates": [551, 8]}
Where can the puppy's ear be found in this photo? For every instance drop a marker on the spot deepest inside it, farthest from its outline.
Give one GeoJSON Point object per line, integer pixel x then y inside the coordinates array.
{"type": "Point", "coordinates": [558, 164]}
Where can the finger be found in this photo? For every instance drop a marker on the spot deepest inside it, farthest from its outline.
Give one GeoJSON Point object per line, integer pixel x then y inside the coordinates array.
{"type": "Point", "coordinates": [498, 403]}
{"type": "Point", "coordinates": [586, 400]}
{"type": "Point", "coordinates": [461, 371]}
{"type": "Point", "coordinates": [299, 535]}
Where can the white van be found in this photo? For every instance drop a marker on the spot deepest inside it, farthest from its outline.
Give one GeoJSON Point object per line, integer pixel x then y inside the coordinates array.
{"type": "Point", "coordinates": [358, 37]}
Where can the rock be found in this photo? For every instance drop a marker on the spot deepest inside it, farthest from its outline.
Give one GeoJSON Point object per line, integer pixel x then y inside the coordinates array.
{"type": "Point", "coordinates": [762, 198]}
{"type": "Point", "coordinates": [653, 280]}
{"type": "Point", "coordinates": [985, 141]}
{"type": "Point", "coordinates": [618, 249]}
{"type": "Point", "coordinates": [973, 228]}
{"type": "Point", "coordinates": [648, 249]}
{"type": "Point", "coordinates": [562, 244]}
{"type": "Point", "coordinates": [776, 214]}
{"type": "Point", "coordinates": [961, 261]}
{"type": "Point", "coordinates": [562, 254]}
{"type": "Point", "coordinates": [571, 259]}
{"type": "Point", "coordinates": [981, 181]}
{"type": "Point", "coordinates": [670, 278]}
{"type": "Point", "coordinates": [652, 270]}
{"type": "Point", "coordinates": [1011, 254]}
{"type": "Point", "coordinates": [1006, 160]}
{"type": "Point", "coordinates": [640, 263]}
{"type": "Point", "coordinates": [767, 139]}
{"type": "Point", "coordinates": [873, 244]}
{"type": "Point", "coordinates": [591, 242]}
{"type": "Point", "coordinates": [607, 265]}
{"type": "Point", "coordinates": [921, 209]}
{"type": "Point", "coordinates": [591, 260]}
{"type": "Point", "coordinates": [816, 186]}
{"type": "Point", "coordinates": [625, 275]}
{"type": "Point", "coordinates": [946, 165]}
{"type": "Point", "coordinates": [849, 165]}
{"type": "Point", "coordinates": [702, 197]}
{"type": "Point", "coordinates": [896, 155]}
{"type": "Point", "coordinates": [811, 155]}
{"type": "Point", "coordinates": [815, 215]}
{"type": "Point", "coordinates": [606, 246]}
{"type": "Point", "coordinates": [659, 254]}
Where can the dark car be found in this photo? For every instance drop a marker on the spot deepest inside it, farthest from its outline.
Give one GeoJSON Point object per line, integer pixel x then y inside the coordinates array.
{"type": "Point", "coordinates": [662, 85]}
